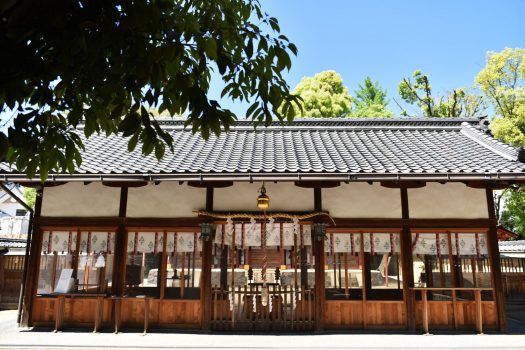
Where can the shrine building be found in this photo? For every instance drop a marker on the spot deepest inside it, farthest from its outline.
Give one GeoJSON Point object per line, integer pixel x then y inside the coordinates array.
{"type": "Point", "coordinates": [317, 225]}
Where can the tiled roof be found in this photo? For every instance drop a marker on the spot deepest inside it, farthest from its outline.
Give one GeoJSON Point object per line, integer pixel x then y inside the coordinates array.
{"type": "Point", "coordinates": [517, 246]}
{"type": "Point", "coordinates": [357, 149]}
{"type": "Point", "coordinates": [12, 242]}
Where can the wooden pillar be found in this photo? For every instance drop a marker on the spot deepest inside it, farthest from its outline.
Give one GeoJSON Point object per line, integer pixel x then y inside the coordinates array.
{"type": "Point", "coordinates": [318, 246]}
{"type": "Point", "coordinates": [34, 263]}
{"type": "Point", "coordinates": [495, 265]}
{"type": "Point", "coordinates": [119, 266]}
{"type": "Point", "coordinates": [206, 271]}
{"type": "Point", "coordinates": [3, 262]}
{"type": "Point", "coordinates": [407, 264]}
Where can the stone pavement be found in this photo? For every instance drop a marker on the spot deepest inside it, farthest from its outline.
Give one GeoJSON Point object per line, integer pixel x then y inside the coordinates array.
{"type": "Point", "coordinates": [14, 338]}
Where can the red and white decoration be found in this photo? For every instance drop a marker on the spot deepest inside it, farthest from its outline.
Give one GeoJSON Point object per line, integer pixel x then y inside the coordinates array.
{"type": "Point", "coordinates": [372, 243]}
{"type": "Point", "coordinates": [249, 234]}
{"type": "Point", "coordinates": [153, 242]}
{"type": "Point", "coordinates": [462, 244]}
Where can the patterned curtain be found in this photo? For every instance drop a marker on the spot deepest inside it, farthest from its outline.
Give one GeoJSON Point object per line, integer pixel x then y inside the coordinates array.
{"type": "Point", "coordinates": [373, 243]}
{"type": "Point", "coordinates": [466, 244]}
{"type": "Point", "coordinates": [145, 242]}
{"type": "Point", "coordinates": [59, 241]}
{"type": "Point", "coordinates": [96, 242]}
{"type": "Point", "coordinates": [185, 242]}
{"type": "Point", "coordinates": [288, 234]}
{"type": "Point", "coordinates": [249, 234]}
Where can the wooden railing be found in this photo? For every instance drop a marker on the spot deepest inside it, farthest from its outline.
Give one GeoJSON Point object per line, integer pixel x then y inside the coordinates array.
{"type": "Point", "coordinates": [454, 299]}
{"type": "Point", "coordinates": [241, 308]}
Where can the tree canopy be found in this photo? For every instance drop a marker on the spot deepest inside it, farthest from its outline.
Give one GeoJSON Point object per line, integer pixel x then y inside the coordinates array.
{"type": "Point", "coordinates": [502, 81]}
{"type": "Point", "coordinates": [459, 103]}
{"type": "Point", "coordinates": [370, 101]}
{"type": "Point", "coordinates": [513, 216]}
{"type": "Point", "coordinates": [324, 96]}
{"type": "Point", "coordinates": [105, 63]}
{"type": "Point", "coordinates": [30, 196]}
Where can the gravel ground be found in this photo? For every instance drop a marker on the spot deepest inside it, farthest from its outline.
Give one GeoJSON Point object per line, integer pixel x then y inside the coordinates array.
{"type": "Point", "coordinates": [12, 337]}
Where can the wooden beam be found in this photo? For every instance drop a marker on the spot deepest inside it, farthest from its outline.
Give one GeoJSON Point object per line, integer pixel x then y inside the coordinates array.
{"type": "Point", "coordinates": [206, 297]}
{"type": "Point", "coordinates": [319, 285]}
{"type": "Point", "coordinates": [499, 185]}
{"type": "Point", "coordinates": [37, 184]}
{"type": "Point", "coordinates": [34, 263]}
{"type": "Point", "coordinates": [124, 183]}
{"type": "Point", "coordinates": [407, 264]}
{"type": "Point", "coordinates": [114, 221]}
{"type": "Point", "coordinates": [318, 199]}
{"type": "Point", "coordinates": [403, 184]}
{"type": "Point", "coordinates": [79, 221]}
{"type": "Point", "coordinates": [164, 222]}
{"type": "Point", "coordinates": [210, 184]}
{"type": "Point", "coordinates": [413, 223]}
{"type": "Point", "coordinates": [495, 265]}
{"type": "Point", "coordinates": [318, 246]}
{"type": "Point", "coordinates": [119, 269]}
{"type": "Point", "coordinates": [317, 184]}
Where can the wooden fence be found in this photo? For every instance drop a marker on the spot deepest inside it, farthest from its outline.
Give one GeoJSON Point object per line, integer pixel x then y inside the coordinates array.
{"type": "Point", "coordinates": [242, 308]}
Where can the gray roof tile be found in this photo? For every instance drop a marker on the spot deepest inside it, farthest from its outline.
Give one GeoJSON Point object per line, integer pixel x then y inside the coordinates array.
{"type": "Point", "coordinates": [361, 146]}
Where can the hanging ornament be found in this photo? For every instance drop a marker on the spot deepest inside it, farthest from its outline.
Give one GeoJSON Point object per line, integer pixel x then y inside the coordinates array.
{"type": "Point", "coordinates": [229, 228]}
{"type": "Point", "coordinates": [101, 262]}
{"type": "Point", "coordinates": [294, 299]}
{"type": "Point", "coordinates": [264, 295]}
{"type": "Point", "coordinates": [254, 303]}
{"type": "Point", "coordinates": [231, 301]}
{"type": "Point", "coordinates": [296, 227]}
{"type": "Point", "coordinates": [270, 304]}
{"type": "Point", "coordinates": [83, 262]}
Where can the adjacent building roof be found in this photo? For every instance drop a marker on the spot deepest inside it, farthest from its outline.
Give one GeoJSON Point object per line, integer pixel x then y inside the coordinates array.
{"type": "Point", "coordinates": [12, 242]}
{"type": "Point", "coordinates": [517, 246]}
{"type": "Point", "coordinates": [314, 149]}
{"type": "Point", "coordinates": [505, 234]}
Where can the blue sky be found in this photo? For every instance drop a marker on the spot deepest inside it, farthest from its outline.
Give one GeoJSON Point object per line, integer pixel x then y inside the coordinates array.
{"type": "Point", "coordinates": [387, 40]}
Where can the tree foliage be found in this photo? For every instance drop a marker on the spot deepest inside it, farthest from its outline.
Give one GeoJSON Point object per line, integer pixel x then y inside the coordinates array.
{"type": "Point", "coordinates": [105, 63]}
{"type": "Point", "coordinates": [324, 96]}
{"type": "Point", "coordinates": [371, 101]}
{"type": "Point", "coordinates": [30, 196]}
{"type": "Point", "coordinates": [502, 81]}
{"type": "Point", "coordinates": [513, 217]}
{"type": "Point", "coordinates": [459, 103]}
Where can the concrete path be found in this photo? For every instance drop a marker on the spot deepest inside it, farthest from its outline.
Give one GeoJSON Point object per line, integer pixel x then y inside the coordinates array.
{"type": "Point", "coordinates": [14, 338]}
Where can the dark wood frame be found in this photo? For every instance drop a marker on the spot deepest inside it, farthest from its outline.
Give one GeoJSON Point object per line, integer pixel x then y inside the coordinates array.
{"type": "Point", "coordinates": [407, 225]}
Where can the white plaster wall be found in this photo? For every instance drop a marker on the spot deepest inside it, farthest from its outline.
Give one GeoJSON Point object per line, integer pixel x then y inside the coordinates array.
{"type": "Point", "coordinates": [165, 200]}
{"type": "Point", "coordinates": [448, 201]}
{"type": "Point", "coordinates": [361, 200]}
{"type": "Point", "coordinates": [284, 196]}
{"type": "Point", "coordinates": [10, 207]}
{"type": "Point", "coordinates": [75, 199]}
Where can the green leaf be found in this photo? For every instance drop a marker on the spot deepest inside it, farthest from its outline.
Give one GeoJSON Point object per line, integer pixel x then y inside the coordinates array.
{"type": "Point", "coordinates": [132, 143]}
{"type": "Point", "coordinates": [160, 149]}
{"type": "Point", "coordinates": [210, 46]}
{"type": "Point", "coordinates": [4, 146]}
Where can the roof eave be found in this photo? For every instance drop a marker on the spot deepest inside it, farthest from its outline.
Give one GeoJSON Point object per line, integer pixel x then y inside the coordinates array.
{"type": "Point", "coordinates": [248, 177]}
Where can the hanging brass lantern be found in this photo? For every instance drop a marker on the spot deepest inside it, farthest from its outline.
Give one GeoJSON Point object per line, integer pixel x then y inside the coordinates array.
{"type": "Point", "coordinates": [263, 201]}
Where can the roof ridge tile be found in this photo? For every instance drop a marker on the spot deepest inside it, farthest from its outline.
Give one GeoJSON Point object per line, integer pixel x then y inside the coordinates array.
{"type": "Point", "coordinates": [490, 143]}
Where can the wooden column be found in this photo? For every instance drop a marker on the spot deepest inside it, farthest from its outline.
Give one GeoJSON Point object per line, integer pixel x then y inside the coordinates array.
{"type": "Point", "coordinates": [119, 267]}
{"type": "Point", "coordinates": [206, 271]}
{"type": "Point", "coordinates": [319, 269]}
{"type": "Point", "coordinates": [34, 263]}
{"type": "Point", "coordinates": [495, 265]}
{"type": "Point", "coordinates": [407, 264]}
